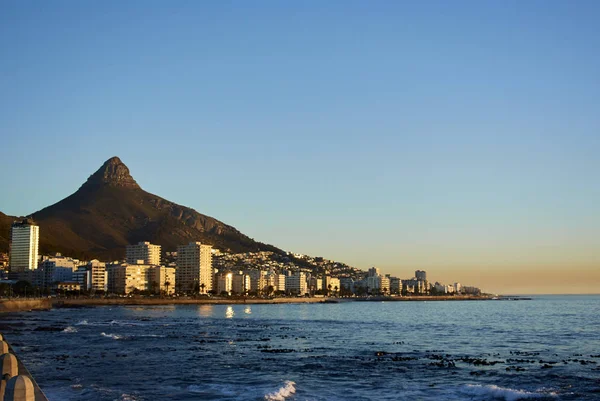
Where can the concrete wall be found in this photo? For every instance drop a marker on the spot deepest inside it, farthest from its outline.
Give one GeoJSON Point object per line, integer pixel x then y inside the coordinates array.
{"type": "Point", "coordinates": [18, 305]}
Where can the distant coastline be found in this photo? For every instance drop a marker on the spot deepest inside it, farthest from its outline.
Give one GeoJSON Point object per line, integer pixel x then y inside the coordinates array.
{"type": "Point", "coordinates": [75, 302]}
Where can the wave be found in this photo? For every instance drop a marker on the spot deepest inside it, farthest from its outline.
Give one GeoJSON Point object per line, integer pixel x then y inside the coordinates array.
{"type": "Point", "coordinates": [194, 388]}
{"type": "Point", "coordinates": [70, 329]}
{"type": "Point", "coordinates": [223, 390]}
{"type": "Point", "coordinates": [113, 336]}
{"type": "Point", "coordinates": [128, 397]}
{"type": "Point", "coordinates": [127, 323]}
{"type": "Point", "coordinates": [82, 323]}
{"type": "Point", "coordinates": [503, 393]}
{"type": "Point", "coordinates": [287, 390]}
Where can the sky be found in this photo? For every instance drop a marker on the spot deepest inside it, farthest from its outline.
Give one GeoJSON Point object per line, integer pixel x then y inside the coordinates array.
{"type": "Point", "coordinates": [459, 137]}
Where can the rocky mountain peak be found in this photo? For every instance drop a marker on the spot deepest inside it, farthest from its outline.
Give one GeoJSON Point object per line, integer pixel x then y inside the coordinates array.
{"type": "Point", "coordinates": [113, 173]}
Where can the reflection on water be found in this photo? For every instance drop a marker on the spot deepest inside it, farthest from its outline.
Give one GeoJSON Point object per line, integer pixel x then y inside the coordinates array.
{"type": "Point", "coordinates": [229, 313]}
{"type": "Point", "coordinates": [248, 310]}
{"type": "Point", "coordinates": [205, 310]}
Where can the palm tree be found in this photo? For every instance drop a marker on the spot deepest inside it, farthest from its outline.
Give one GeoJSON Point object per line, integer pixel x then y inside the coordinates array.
{"type": "Point", "coordinates": [202, 287]}
{"type": "Point", "coordinates": [335, 289]}
{"type": "Point", "coordinates": [167, 284]}
{"type": "Point", "coordinates": [329, 289]}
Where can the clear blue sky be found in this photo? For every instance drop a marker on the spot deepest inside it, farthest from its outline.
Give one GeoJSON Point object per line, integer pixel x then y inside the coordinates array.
{"type": "Point", "coordinates": [462, 137]}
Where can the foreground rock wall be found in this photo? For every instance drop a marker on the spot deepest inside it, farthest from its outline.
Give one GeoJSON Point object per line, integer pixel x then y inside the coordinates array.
{"type": "Point", "coordinates": [16, 383]}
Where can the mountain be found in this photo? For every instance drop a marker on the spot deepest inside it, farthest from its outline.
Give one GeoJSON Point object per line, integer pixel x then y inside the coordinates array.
{"type": "Point", "coordinates": [110, 210]}
{"type": "Point", "coordinates": [5, 222]}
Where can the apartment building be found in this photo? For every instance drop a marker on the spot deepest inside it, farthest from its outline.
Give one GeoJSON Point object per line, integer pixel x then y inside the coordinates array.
{"type": "Point", "coordinates": [161, 279]}
{"type": "Point", "coordinates": [24, 246]}
{"type": "Point", "coordinates": [146, 252]}
{"type": "Point", "coordinates": [296, 283]}
{"type": "Point", "coordinates": [240, 283]}
{"type": "Point", "coordinates": [125, 278]}
{"type": "Point", "coordinates": [194, 267]}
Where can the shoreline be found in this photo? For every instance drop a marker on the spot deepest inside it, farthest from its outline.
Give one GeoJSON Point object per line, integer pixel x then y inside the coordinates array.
{"type": "Point", "coordinates": [26, 304]}
{"type": "Point", "coordinates": [91, 302]}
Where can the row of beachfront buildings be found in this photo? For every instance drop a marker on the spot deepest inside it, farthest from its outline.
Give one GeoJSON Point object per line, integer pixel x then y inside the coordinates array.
{"type": "Point", "coordinates": [192, 271]}
{"type": "Point", "coordinates": [142, 272]}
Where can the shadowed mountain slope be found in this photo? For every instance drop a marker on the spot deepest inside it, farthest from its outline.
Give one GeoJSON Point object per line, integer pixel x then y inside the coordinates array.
{"type": "Point", "coordinates": [5, 222]}
{"type": "Point", "coordinates": [110, 211]}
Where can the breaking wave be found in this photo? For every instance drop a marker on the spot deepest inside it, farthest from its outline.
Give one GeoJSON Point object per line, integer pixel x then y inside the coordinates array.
{"type": "Point", "coordinates": [503, 393]}
{"type": "Point", "coordinates": [82, 323]}
{"type": "Point", "coordinates": [287, 390]}
{"type": "Point", "coordinates": [113, 336]}
{"type": "Point", "coordinates": [70, 329]}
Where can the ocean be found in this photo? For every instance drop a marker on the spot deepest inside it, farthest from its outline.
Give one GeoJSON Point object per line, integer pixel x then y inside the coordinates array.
{"type": "Point", "coordinates": [546, 348]}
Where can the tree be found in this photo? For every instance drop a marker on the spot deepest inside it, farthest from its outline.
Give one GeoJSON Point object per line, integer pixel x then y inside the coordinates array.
{"type": "Point", "coordinates": [202, 287]}
{"type": "Point", "coordinates": [4, 289]}
{"type": "Point", "coordinates": [385, 290]}
{"type": "Point", "coordinates": [167, 284]}
{"type": "Point", "coordinates": [23, 287]}
{"type": "Point", "coordinates": [328, 289]}
{"type": "Point", "coordinates": [270, 290]}
{"type": "Point", "coordinates": [361, 291]}
{"type": "Point", "coordinates": [335, 289]}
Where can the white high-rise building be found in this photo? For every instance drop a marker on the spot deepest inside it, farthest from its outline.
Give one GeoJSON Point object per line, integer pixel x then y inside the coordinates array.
{"type": "Point", "coordinates": [296, 283]}
{"type": "Point", "coordinates": [240, 283]}
{"type": "Point", "coordinates": [258, 281]}
{"type": "Point", "coordinates": [144, 251]}
{"type": "Point", "coordinates": [24, 242]}
{"type": "Point", "coordinates": [92, 277]}
{"type": "Point", "coordinates": [194, 267]}
{"type": "Point", "coordinates": [224, 283]}
{"type": "Point", "coordinates": [99, 275]}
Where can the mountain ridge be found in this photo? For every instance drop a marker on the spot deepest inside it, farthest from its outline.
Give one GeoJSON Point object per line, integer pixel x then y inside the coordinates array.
{"type": "Point", "coordinates": [110, 210]}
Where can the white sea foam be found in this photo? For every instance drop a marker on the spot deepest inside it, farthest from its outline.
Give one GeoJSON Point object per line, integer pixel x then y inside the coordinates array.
{"type": "Point", "coordinates": [82, 323]}
{"type": "Point", "coordinates": [503, 393]}
{"type": "Point", "coordinates": [113, 336]}
{"type": "Point", "coordinates": [70, 329]}
{"type": "Point", "coordinates": [126, 323]}
{"type": "Point", "coordinates": [287, 390]}
{"type": "Point", "coordinates": [128, 397]}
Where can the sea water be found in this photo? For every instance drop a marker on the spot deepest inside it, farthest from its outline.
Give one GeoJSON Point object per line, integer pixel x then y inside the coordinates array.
{"type": "Point", "coordinates": [546, 348]}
